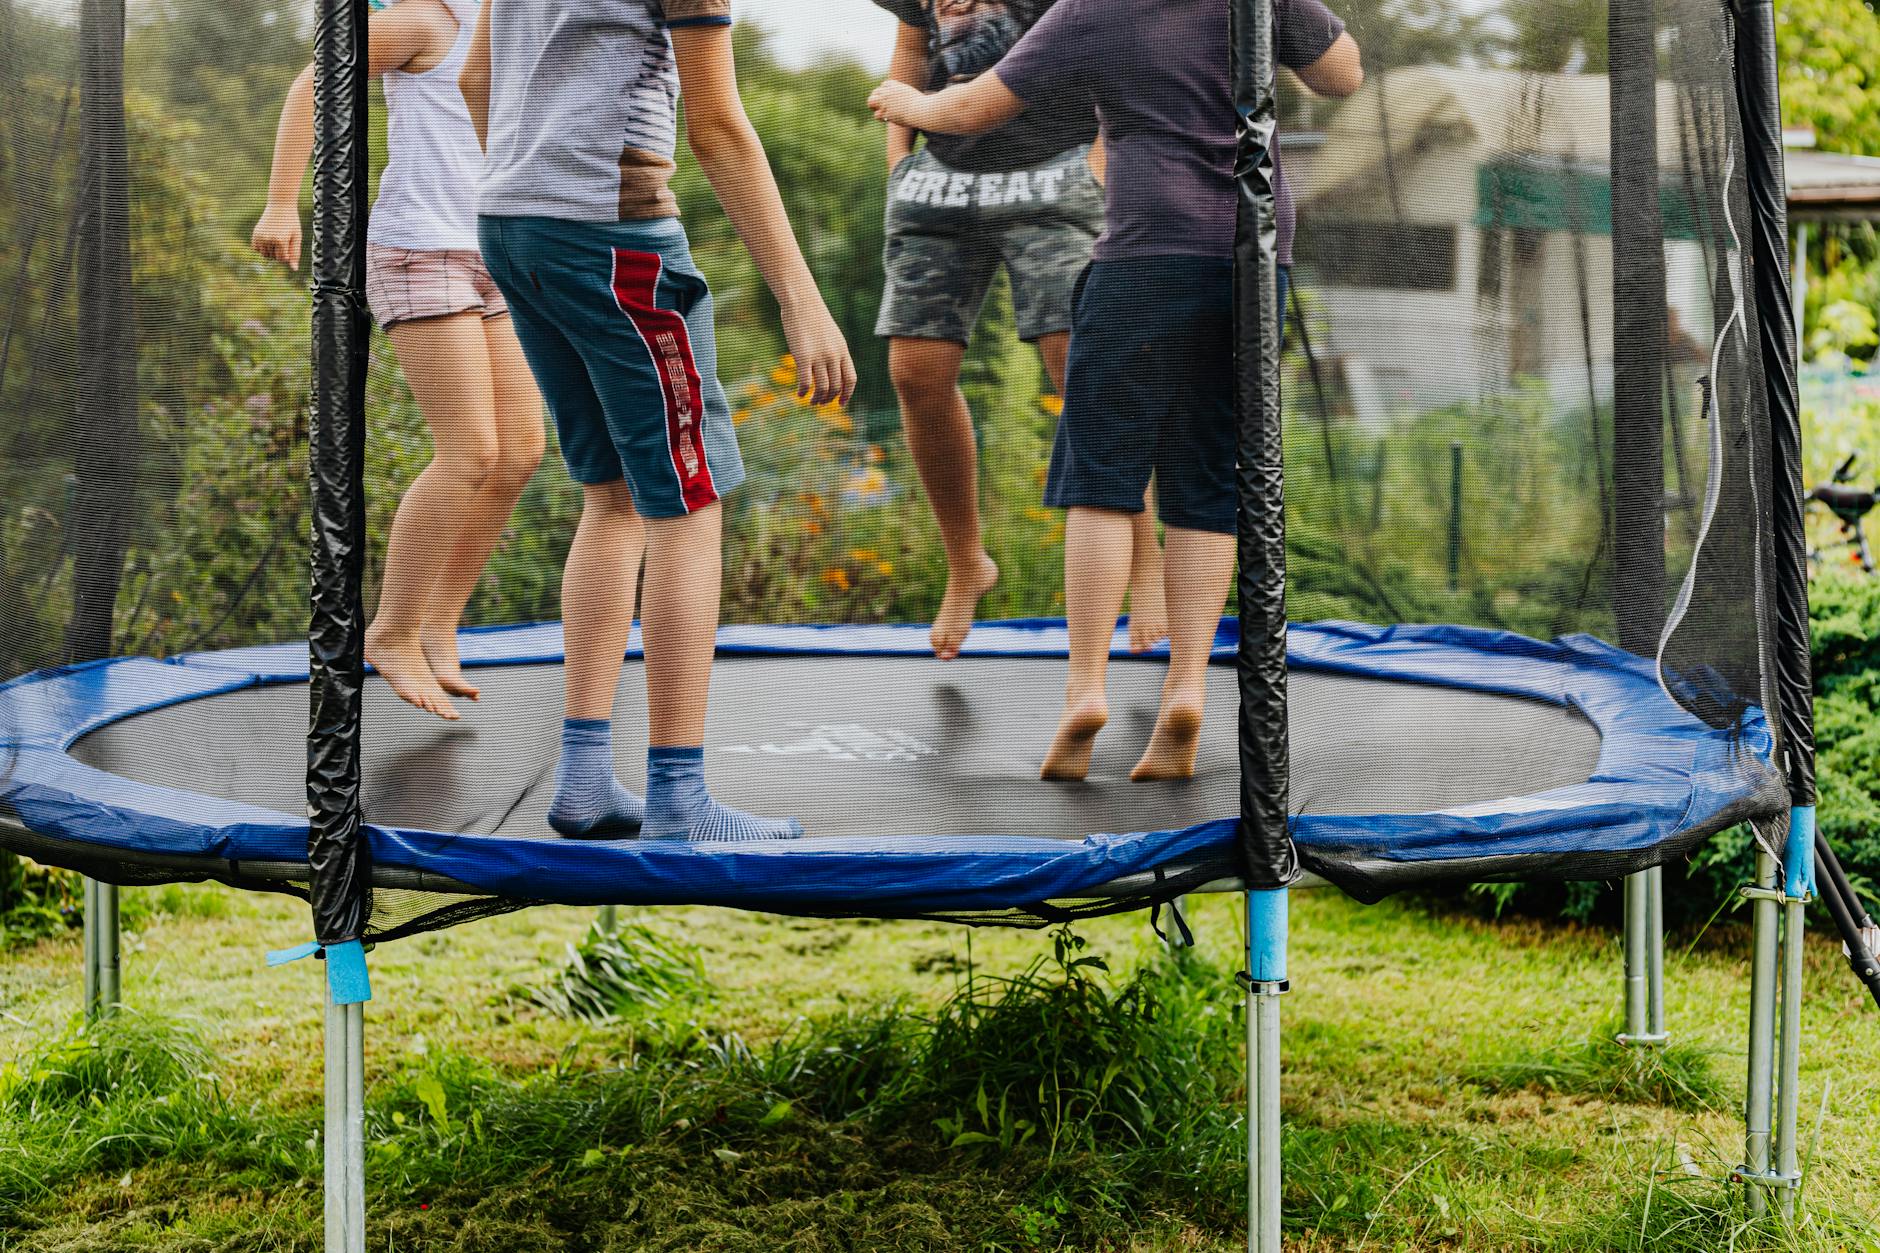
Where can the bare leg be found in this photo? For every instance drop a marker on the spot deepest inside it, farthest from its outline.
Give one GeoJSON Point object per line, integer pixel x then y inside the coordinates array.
{"type": "Point", "coordinates": [939, 430]}
{"type": "Point", "coordinates": [1148, 607]}
{"type": "Point", "coordinates": [597, 593]}
{"type": "Point", "coordinates": [517, 420]}
{"type": "Point", "coordinates": [1200, 567]}
{"type": "Point", "coordinates": [445, 362]}
{"type": "Point", "coordinates": [684, 571]}
{"type": "Point", "coordinates": [1096, 575]}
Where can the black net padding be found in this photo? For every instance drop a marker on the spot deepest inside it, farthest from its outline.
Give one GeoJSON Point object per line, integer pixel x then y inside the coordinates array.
{"type": "Point", "coordinates": [1524, 388]}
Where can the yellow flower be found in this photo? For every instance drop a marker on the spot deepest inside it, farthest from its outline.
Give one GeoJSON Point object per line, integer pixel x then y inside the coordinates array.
{"type": "Point", "coordinates": [812, 527]}
{"type": "Point", "coordinates": [864, 554]}
{"type": "Point", "coordinates": [765, 399]}
{"type": "Point", "coordinates": [837, 578]}
{"type": "Point", "coordinates": [1052, 404]}
{"type": "Point", "coordinates": [886, 567]}
{"type": "Point", "coordinates": [740, 417]}
{"type": "Point", "coordinates": [1037, 514]}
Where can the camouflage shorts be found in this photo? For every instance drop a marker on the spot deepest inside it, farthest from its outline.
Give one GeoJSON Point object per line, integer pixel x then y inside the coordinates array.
{"type": "Point", "coordinates": [949, 231]}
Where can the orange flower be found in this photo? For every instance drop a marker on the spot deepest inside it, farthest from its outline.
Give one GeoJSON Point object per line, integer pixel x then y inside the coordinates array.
{"type": "Point", "coordinates": [765, 399]}
{"type": "Point", "coordinates": [1052, 404]}
{"type": "Point", "coordinates": [814, 501]}
{"type": "Point", "coordinates": [864, 555]}
{"type": "Point", "coordinates": [837, 578]}
{"type": "Point", "coordinates": [886, 567]}
{"type": "Point", "coordinates": [785, 373]}
{"type": "Point", "coordinates": [875, 455]}
{"type": "Point", "coordinates": [740, 417]}
{"type": "Point", "coordinates": [812, 527]}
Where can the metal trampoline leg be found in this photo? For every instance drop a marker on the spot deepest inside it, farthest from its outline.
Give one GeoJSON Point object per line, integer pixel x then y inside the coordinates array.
{"type": "Point", "coordinates": [1789, 1056]}
{"type": "Point", "coordinates": [1265, 983]}
{"type": "Point", "coordinates": [1655, 953]}
{"type": "Point", "coordinates": [1636, 1011]}
{"type": "Point", "coordinates": [1644, 959]}
{"type": "Point", "coordinates": [102, 986]}
{"type": "Point", "coordinates": [1758, 1107]}
{"type": "Point", "coordinates": [345, 1128]}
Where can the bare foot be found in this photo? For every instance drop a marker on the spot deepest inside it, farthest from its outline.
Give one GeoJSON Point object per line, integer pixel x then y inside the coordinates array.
{"type": "Point", "coordinates": [440, 652]}
{"type": "Point", "coordinates": [955, 620]}
{"type": "Point", "coordinates": [1174, 743]}
{"type": "Point", "coordinates": [402, 665]}
{"type": "Point", "coordinates": [1148, 613]}
{"type": "Point", "coordinates": [1069, 756]}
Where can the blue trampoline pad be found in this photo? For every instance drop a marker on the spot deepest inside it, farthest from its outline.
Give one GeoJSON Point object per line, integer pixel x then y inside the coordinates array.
{"type": "Point", "coordinates": [1420, 754]}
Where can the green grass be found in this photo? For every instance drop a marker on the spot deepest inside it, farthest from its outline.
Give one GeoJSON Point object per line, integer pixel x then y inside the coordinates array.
{"type": "Point", "coordinates": [717, 1081]}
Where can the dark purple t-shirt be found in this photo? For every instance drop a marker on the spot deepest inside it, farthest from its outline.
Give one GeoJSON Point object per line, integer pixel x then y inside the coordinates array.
{"type": "Point", "coordinates": [1158, 72]}
{"type": "Point", "coordinates": [965, 38]}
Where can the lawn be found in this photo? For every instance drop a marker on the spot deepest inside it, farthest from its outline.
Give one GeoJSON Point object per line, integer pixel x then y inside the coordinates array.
{"type": "Point", "coordinates": [812, 1085]}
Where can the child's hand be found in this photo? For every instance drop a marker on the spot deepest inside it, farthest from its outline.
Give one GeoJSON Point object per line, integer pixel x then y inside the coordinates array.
{"type": "Point", "coordinates": [277, 235]}
{"type": "Point", "coordinates": [824, 369]}
{"type": "Point", "coordinates": [897, 103]}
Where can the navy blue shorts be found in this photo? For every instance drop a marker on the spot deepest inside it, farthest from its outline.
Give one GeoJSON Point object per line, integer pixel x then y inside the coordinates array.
{"type": "Point", "coordinates": [1151, 393]}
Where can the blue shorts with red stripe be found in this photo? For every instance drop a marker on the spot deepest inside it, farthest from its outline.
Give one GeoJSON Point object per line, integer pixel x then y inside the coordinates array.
{"type": "Point", "coordinates": [616, 322]}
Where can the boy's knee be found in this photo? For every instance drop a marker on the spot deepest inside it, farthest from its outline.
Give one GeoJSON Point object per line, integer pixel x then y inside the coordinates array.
{"type": "Point", "coordinates": [610, 501]}
{"type": "Point", "coordinates": [923, 371]}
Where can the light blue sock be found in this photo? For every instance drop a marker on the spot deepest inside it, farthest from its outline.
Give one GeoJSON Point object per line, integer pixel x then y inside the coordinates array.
{"type": "Point", "coordinates": [679, 808]}
{"type": "Point", "coordinates": [590, 802]}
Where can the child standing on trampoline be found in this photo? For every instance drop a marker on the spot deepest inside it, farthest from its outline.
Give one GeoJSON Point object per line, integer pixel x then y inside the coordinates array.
{"type": "Point", "coordinates": [428, 288]}
{"type": "Point", "coordinates": [1152, 341]}
{"type": "Point", "coordinates": [576, 102]}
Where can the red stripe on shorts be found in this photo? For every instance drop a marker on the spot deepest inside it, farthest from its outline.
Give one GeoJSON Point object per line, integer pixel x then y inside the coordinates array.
{"type": "Point", "coordinates": [636, 281]}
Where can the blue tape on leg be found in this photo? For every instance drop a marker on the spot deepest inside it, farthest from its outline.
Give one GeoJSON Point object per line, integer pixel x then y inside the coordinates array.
{"type": "Point", "coordinates": [346, 977]}
{"type": "Point", "coordinates": [282, 956]}
{"type": "Point", "coordinates": [1266, 936]}
{"type": "Point", "coordinates": [1799, 858]}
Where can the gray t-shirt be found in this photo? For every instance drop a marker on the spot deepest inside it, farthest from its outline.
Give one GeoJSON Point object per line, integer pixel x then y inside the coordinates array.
{"type": "Point", "coordinates": [1158, 71]}
{"type": "Point", "coordinates": [965, 38]}
{"type": "Point", "coordinates": [584, 104]}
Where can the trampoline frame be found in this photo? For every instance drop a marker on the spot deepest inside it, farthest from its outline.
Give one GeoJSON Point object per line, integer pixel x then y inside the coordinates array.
{"type": "Point", "coordinates": [1784, 879]}
{"type": "Point", "coordinates": [1662, 781]}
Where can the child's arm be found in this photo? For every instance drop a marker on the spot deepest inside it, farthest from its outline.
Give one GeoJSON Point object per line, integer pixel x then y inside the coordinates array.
{"type": "Point", "coordinates": [396, 37]}
{"type": "Point", "coordinates": [1339, 72]}
{"type": "Point", "coordinates": [729, 152]}
{"type": "Point", "coordinates": [908, 66]}
{"type": "Point", "coordinates": [474, 80]}
{"type": "Point", "coordinates": [984, 104]}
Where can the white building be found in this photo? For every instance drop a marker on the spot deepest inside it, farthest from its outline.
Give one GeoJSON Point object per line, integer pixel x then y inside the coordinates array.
{"type": "Point", "coordinates": [1465, 248]}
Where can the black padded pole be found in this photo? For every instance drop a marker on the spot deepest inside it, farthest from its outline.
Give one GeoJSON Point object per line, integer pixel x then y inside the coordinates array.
{"type": "Point", "coordinates": [1639, 329]}
{"type": "Point", "coordinates": [1761, 109]}
{"type": "Point", "coordinates": [109, 452]}
{"type": "Point", "coordinates": [1265, 842]}
{"type": "Point", "coordinates": [336, 460]}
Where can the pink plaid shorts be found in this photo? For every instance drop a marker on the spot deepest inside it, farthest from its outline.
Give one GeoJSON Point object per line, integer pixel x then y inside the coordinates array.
{"type": "Point", "coordinates": [405, 284]}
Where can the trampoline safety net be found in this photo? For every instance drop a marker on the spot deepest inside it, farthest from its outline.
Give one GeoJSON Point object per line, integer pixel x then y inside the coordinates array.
{"type": "Point", "coordinates": [568, 373]}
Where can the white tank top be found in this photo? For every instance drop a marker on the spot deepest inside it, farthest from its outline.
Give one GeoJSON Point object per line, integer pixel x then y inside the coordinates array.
{"type": "Point", "coordinates": [428, 192]}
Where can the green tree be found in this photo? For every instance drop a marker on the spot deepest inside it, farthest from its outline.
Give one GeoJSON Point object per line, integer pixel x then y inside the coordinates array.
{"type": "Point", "coordinates": [1830, 54]}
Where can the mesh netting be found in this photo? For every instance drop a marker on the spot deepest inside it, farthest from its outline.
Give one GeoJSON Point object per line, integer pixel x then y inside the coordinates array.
{"type": "Point", "coordinates": [1522, 395]}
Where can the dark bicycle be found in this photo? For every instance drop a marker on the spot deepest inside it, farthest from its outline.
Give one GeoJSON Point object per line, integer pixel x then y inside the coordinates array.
{"type": "Point", "coordinates": [1850, 505]}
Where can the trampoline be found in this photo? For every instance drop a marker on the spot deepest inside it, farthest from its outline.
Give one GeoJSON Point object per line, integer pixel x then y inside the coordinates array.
{"type": "Point", "coordinates": [1485, 419]}
{"type": "Point", "coordinates": [1419, 754]}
